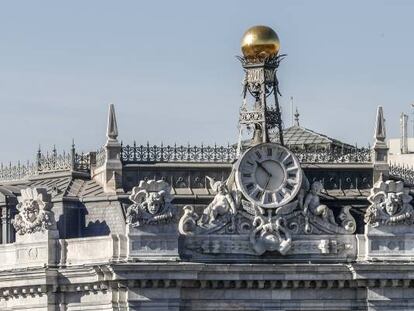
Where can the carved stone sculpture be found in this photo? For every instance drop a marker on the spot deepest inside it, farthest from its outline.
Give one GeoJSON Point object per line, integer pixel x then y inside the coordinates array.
{"type": "Point", "coordinates": [269, 234]}
{"type": "Point", "coordinates": [151, 203]}
{"type": "Point", "coordinates": [390, 204]}
{"type": "Point", "coordinates": [223, 206]}
{"type": "Point", "coordinates": [317, 218]}
{"type": "Point", "coordinates": [313, 205]}
{"type": "Point", "coordinates": [35, 213]}
{"type": "Point", "coordinates": [188, 222]}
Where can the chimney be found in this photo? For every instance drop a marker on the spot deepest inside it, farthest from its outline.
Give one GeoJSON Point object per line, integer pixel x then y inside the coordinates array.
{"type": "Point", "coordinates": [404, 133]}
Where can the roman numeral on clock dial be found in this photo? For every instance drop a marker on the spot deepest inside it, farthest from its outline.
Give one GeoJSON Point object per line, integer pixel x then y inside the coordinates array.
{"type": "Point", "coordinates": [269, 175]}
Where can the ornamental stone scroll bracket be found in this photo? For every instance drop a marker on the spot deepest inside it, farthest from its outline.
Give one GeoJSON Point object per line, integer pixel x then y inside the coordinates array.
{"type": "Point", "coordinates": [35, 214]}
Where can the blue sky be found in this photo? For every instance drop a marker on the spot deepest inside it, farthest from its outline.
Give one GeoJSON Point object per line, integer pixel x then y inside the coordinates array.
{"type": "Point", "coordinates": [170, 69]}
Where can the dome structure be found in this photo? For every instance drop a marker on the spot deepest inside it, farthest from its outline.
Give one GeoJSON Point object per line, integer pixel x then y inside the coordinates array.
{"type": "Point", "coordinates": [260, 42]}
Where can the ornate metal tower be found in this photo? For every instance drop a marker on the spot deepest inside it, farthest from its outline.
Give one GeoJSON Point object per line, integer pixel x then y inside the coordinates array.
{"type": "Point", "coordinates": [258, 113]}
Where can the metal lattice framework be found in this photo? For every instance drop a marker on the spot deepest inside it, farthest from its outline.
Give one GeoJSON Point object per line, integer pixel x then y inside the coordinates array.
{"type": "Point", "coordinates": [402, 172]}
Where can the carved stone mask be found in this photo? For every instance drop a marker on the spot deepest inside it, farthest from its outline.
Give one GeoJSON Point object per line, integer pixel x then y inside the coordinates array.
{"type": "Point", "coordinates": [392, 203]}
{"type": "Point", "coordinates": [154, 202]}
{"type": "Point", "coordinates": [31, 210]}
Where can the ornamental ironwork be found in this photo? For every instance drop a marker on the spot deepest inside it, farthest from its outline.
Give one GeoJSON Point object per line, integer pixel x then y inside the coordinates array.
{"type": "Point", "coordinates": [46, 163]}
{"type": "Point", "coordinates": [53, 162]}
{"type": "Point", "coordinates": [148, 154]}
{"type": "Point", "coordinates": [227, 154]}
{"type": "Point", "coordinates": [100, 157]}
{"type": "Point", "coordinates": [357, 155]}
{"type": "Point", "coordinates": [403, 173]}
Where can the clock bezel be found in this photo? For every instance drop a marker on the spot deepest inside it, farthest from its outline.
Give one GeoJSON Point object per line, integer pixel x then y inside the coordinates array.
{"type": "Point", "coordinates": [299, 175]}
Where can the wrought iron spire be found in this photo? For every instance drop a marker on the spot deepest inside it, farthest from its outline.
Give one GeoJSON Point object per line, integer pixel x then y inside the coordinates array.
{"type": "Point", "coordinates": [297, 117]}
{"type": "Point", "coordinates": [112, 127]}
{"type": "Point", "coordinates": [262, 115]}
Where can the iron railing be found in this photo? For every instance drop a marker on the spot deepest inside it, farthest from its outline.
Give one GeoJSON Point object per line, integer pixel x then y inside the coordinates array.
{"type": "Point", "coordinates": [153, 153]}
{"type": "Point", "coordinates": [357, 155]}
{"type": "Point", "coordinates": [100, 157]}
{"type": "Point", "coordinates": [403, 173]}
{"type": "Point", "coordinates": [46, 163]}
{"type": "Point", "coordinates": [74, 161]}
{"type": "Point", "coordinates": [149, 154]}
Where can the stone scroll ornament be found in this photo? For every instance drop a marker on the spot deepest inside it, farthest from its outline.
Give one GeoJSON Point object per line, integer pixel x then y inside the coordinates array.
{"type": "Point", "coordinates": [390, 204]}
{"type": "Point", "coordinates": [151, 204]}
{"type": "Point", "coordinates": [35, 213]}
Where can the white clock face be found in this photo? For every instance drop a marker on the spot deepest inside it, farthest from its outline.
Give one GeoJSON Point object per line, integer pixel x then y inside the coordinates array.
{"type": "Point", "coordinates": [269, 175]}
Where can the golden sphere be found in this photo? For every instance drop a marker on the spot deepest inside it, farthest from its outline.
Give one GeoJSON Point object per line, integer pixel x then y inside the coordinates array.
{"type": "Point", "coordinates": [260, 42]}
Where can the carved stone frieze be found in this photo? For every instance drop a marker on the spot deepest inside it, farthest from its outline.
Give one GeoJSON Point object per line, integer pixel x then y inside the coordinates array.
{"type": "Point", "coordinates": [151, 204]}
{"type": "Point", "coordinates": [35, 213]}
{"type": "Point", "coordinates": [390, 204]}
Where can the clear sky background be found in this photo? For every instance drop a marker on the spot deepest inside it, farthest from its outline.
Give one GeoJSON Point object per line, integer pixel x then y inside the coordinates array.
{"type": "Point", "coordinates": [170, 69]}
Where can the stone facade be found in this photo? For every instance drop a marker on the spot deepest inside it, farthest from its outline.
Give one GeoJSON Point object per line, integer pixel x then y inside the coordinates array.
{"type": "Point", "coordinates": [257, 227]}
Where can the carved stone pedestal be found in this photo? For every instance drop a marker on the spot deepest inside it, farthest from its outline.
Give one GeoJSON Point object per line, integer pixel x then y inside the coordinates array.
{"type": "Point", "coordinates": [32, 250]}
{"type": "Point", "coordinates": [149, 242]}
{"type": "Point", "coordinates": [389, 242]}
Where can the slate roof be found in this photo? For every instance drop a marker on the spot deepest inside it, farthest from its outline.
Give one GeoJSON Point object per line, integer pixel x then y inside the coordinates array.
{"type": "Point", "coordinates": [299, 136]}
{"type": "Point", "coordinates": [58, 186]}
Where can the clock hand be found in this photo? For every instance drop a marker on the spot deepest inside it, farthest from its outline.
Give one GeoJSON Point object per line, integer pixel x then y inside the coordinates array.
{"type": "Point", "coordinates": [267, 182]}
{"type": "Point", "coordinates": [265, 170]}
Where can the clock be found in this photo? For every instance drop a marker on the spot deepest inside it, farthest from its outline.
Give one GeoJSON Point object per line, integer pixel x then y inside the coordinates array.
{"type": "Point", "coordinates": [269, 175]}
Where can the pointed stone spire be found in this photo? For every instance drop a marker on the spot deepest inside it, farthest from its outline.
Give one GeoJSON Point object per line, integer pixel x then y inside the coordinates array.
{"type": "Point", "coordinates": [112, 128]}
{"type": "Point", "coordinates": [380, 133]}
{"type": "Point", "coordinates": [109, 173]}
{"type": "Point", "coordinates": [297, 117]}
{"type": "Point", "coordinates": [380, 148]}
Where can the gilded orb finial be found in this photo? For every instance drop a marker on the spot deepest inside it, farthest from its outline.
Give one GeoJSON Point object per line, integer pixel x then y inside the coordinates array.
{"type": "Point", "coordinates": [260, 42]}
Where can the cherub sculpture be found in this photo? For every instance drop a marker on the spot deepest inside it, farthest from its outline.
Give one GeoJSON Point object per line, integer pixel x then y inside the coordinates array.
{"type": "Point", "coordinates": [390, 204]}
{"type": "Point", "coordinates": [313, 205]}
{"type": "Point", "coordinates": [151, 203]}
{"type": "Point", "coordinates": [222, 206]}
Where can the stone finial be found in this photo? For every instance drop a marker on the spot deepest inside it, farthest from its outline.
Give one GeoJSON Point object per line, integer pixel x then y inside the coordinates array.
{"type": "Point", "coordinates": [380, 133]}
{"type": "Point", "coordinates": [380, 148]}
{"type": "Point", "coordinates": [112, 128]}
{"type": "Point", "coordinates": [297, 117]}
